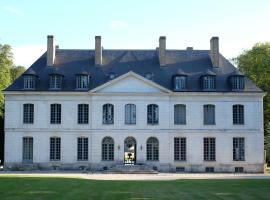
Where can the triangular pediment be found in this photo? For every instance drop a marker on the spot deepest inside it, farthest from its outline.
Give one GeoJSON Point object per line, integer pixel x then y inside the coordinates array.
{"type": "Point", "coordinates": [130, 83]}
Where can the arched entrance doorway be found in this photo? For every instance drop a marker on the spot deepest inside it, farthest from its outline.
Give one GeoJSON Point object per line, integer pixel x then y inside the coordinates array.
{"type": "Point", "coordinates": [130, 151]}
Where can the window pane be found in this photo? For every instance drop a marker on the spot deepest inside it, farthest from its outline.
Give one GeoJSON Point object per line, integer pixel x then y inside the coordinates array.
{"type": "Point", "coordinates": [29, 82]}
{"type": "Point", "coordinates": [108, 114]}
{"type": "Point", "coordinates": [209, 149]}
{"type": "Point", "coordinates": [83, 113]}
{"type": "Point", "coordinates": [180, 82]}
{"type": "Point", "coordinates": [152, 114]}
{"type": "Point", "coordinates": [209, 82]}
{"type": "Point", "coordinates": [152, 149]}
{"type": "Point", "coordinates": [107, 149]}
{"type": "Point", "coordinates": [55, 113]}
{"type": "Point", "coordinates": [28, 113]}
{"type": "Point", "coordinates": [238, 114]}
{"type": "Point", "coordinates": [209, 114]}
{"type": "Point", "coordinates": [238, 149]}
{"type": "Point", "coordinates": [180, 149]}
{"type": "Point", "coordinates": [55, 149]}
{"type": "Point", "coordinates": [130, 114]}
{"type": "Point", "coordinates": [179, 114]}
{"type": "Point", "coordinates": [82, 81]}
{"type": "Point", "coordinates": [82, 153]}
{"type": "Point", "coordinates": [28, 149]}
{"type": "Point", "coordinates": [55, 81]}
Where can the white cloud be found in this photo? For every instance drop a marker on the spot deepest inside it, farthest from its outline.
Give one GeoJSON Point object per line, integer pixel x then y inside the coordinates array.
{"type": "Point", "coordinates": [118, 24]}
{"type": "Point", "coordinates": [13, 10]}
{"type": "Point", "coordinates": [26, 55]}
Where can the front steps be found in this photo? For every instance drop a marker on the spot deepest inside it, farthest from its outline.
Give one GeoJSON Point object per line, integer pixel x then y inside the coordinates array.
{"type": "Point", "coordinates": [131, 169]}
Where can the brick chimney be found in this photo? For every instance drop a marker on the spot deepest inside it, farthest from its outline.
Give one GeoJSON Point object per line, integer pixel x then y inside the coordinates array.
{"type": "Point", "coordinates": [98, 51]}
{"type": "Point", "coordinates": [162, 51]}
{"type": "Point", "coordinates": [50, 50]}
{"type": "Point", "coordinates": [214, 47]}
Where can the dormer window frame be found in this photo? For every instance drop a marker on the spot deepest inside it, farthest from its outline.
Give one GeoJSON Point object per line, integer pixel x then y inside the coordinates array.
{"type": "Point", "coordinates": [209, 82]}
{"type": "Point", "coordinates": [55, 82]}
{"type": "Point", "coordinates": [29, 82]}
{"type": "Point", "coordinates": [80, 81]}
{"type": "Point", "coordinates": [182, 82]}
{"type": "Point", "coordinates": [237, 82]}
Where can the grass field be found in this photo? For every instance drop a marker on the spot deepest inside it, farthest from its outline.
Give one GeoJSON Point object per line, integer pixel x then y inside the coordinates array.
{"type": "Point", "coordinates": [20, 188]}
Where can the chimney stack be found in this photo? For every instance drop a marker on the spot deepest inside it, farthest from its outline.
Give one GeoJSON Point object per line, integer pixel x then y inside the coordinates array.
{"type": "Point", "coordinates": [162, 50]}
{"type": "Point", "coordinates": [98, 51]}
{"type": "Point", "coordinates": [50, 50]}
{"type": "Point", "coordinates": [214, 47]}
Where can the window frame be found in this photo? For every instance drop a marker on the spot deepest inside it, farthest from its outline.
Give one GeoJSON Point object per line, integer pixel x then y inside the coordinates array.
{"type": "Point", "coordinates": [82, 84]}
{"type": "Point", "coordinates": [209, 114]}
{"type": "Point", "coordinates": [180, 82]}
{"type": "Point", "coordinates": [107, 149]}
{"type": "Point", "coordinates": [209, 82]}
{"type": "Point", "coordinates": [239, 149]}
{"type": "Point", "coordinates": [82, 148]}
{"type": "Point", "coordinates": [83, 113]}
{"type": "Point", "coordinates": [28, 113]}
{"type": "Point", "coordinates": [237, 82]}
{"type": "Point", "coordinates": [55, 113]}
{"type": "Point", "coordinates": [152, 149]}
{"type": "Point", "coordinates": [180, 114]}
{"type": "Point", "coordinates": [29, 82]}
{"type": "Point", "coordinates": [238, 114]}
{"type": "Point", "coordinates": [55, 82]}
{"type": "Point", "coordinates": [130, 114]}
{"type": "Point", "coordinates": [180, 149]}
{"type": "Point", "coordinates": [209, 149]}
{"type": "Point", "coordinates": [27, 149]}
{"type": "Point", "coordinates": [108, 114]}
{"type": "Point", "coordinates": [55, 149]}
{"type": "Point", "coordinates": [152, 114]}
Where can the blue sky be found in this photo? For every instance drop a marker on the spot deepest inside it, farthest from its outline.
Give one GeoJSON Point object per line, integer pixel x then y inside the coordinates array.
{"type": "Point", "coordinates": [130, 24]}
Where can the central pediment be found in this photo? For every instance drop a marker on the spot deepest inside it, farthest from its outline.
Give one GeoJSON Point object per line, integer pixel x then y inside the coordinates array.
{"type": "Point", "coordinates": [130, 83]}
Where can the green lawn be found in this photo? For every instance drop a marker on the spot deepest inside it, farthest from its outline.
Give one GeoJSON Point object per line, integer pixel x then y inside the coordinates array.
{"type": "Point", "coordinates": [20, 188]}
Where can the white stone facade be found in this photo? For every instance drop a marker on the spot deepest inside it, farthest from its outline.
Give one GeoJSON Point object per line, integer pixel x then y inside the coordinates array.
{"type": "Point", "coordinates": [141, 92]}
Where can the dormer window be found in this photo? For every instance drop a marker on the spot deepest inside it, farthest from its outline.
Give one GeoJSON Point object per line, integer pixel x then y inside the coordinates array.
{"type": "Point", "coordinates": [237, 82]}
{"type": "Point", "coordinates": [209, 82]}
{"type": "Point", "coordinates": [29, 82]}
{"type": "Point", "coordinates": [149, 76]}
{"type": "Point", "coordinates": [180, 82]}
{"type": "Point", "coordinates": [112, 75]}
{"type": "Point", "coordinates": [55, 81]}
{"type": "Point", "coordinates": [82, 81]}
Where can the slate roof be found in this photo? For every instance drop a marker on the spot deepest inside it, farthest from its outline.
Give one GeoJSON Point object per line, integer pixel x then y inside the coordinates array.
{"type": "Point", "coordinates": [193, 63]}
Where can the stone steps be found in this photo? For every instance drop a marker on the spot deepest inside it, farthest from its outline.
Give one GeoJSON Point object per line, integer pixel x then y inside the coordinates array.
{"type": "Point", "coordinates": [131, 169]}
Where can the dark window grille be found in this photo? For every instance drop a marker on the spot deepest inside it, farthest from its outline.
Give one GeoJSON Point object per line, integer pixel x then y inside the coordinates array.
{"type": "Point", "coordinates": [82, 81]}
{"type": "Point", "coordinates": [238, 114]}
{"type": "Point", "coordinates": [152, 148]}
{"type": "Point", "coordinates": [152, 114]}
{"type": "Point", "coordinates": [209, 82]}
{"type": "Point", "coordinates": [180, 149]}
{"type": "Point", "coordinates": [209, 149]}
{"type": "Point", "coordinates": [239, 149]}
{"type": "Point", "coordinates": [29, 82]}
{"type": "Point", "coordinates": [107, 149]}
{"type": "Point", "coordinates": [28, 113]}
{"type": "Point", "coordinates": [82, 153]}
{"type": "Point", "coordinates": [27, 150]}
{"type": "Point", "coordinates": [238, 82]}
{"type": "Point", "coordinates": [108, 114]}
{"type": "Point", "coordinates": [55, 113]}
{"type": "Point", "coordinates": [55, 81]}
{"type": "Point", "coordinates": [83, 113]}
{"type": "Point", "coordinates": [55, 149]}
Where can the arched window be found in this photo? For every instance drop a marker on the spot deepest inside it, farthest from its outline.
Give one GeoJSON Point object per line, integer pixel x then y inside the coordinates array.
{"type": "Point", "coordinates": [152, 148]}
{"type": "Point", "coordinates": [55, 81]}
{"type": "Point", "coordinates": [107, 149]}
{"type": "Point", "coordinates": [108, 114]}
{"type": "Point", "coordinates": [28, 113]}
{"type": "Point", "coordinates": [209, 82]}
{"type": "Point", "coordinates": [152, 114]}
{"type": "Point", "coordinates": [180, 82]}
{"type": "Point", "coordinates": [179, 114]}
{"type": "Point", "coordinates": [55, 113]}
{"type": "Point", "coordinates": [238, 114]}
{"type": "Point", "coordinates": [209, 114]}
{"type": "Point", "coordinates": [130, 114]}
{"type": "Point", "coordinates": [237, 82]}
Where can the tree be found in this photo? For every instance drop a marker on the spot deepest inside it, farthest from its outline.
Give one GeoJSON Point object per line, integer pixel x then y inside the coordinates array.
{"type": "Point", "coordinates": [255, 63]}
{"type": "Point", "coordinates": [16, 71]}
{"type": "Point", "coordinates": [5, 77]}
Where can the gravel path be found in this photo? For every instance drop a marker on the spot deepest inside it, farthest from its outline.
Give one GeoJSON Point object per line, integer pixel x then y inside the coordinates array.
{"type": "Point", "coordinates": [159, 176]}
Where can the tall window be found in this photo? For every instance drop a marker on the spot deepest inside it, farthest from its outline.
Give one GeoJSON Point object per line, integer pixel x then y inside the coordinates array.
{"type": "Point", "coordinates": [209, 149]}
{"type": "Point", "coordinates": [82, 81]}
{"type": "Point", "coordinates": [152, 148]}
{"type": "Point", "coordinates": [55, 113]}
{"type": "Point", "coordinates": [28, 113]}
{"type": "Point", "coordinates": [83, 113]}
{"type": "Point", "coordinates": [179, 114]}
{"type": "Point", "coordinates": [82, 153]}
{"type": "Point", "coordinates": [107, 149]}
{"type": "Point", "coordinates": [238, 82]}
{"type": "Point", "coordinates": [152, 114]}
{"type": "Point", "coordinates": [108, 114]}
{"type": "Point", "coordinates": [180, 82]}
{"type": "Point", "coordinates": [27, 156]}
{"type": "Point", "coordinates": [238, 114]}
{"type": "Point", "coordinates": [238, 149]}
{"type": "Point", "coordinates": [209, 82]}
{"type": "Point", "coordinates": [130, 114]}
{"type": "Point", "coordinates": [55, 81]}
{"type": "Point", "coordinates": [29, 82]}
{"type": "Point", "coordinates": [180, 149]}
{"type": "Point", "coordinates": [209, 114]}
{"type": "Point", "coordinates": [55, 148]}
